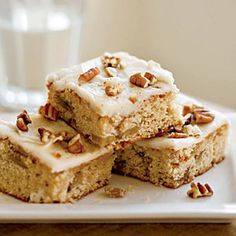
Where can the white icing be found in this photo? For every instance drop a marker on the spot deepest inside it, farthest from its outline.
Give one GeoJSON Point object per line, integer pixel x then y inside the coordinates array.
{"type": "Point", "coordinates": [180, 143]}
{"type": "Point", "coordinates": [93, 90]}
{"type": "Point", "coordinates": [30, 142]}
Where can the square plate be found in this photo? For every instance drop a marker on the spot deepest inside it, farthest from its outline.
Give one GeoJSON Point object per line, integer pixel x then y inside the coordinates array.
{"type": "Point", "coordinates": [143, 202]}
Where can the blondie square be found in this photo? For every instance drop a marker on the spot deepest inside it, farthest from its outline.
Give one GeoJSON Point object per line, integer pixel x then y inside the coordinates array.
{"type": "Point", "coordinates": [180, 155]}
{"type": "Point", "coordinates": [44, 161]}
{"type": "Point", "coordinates": [115, 98]}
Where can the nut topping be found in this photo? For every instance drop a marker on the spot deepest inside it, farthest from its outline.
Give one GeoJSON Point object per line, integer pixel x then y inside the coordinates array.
{"type": "Point", "coordinates": [49, 112]}
{"type": "Point", "coordinates": [113, 89]}
{"type": "Point", "coordinates": [186, 110]}
{"type": "Point", "coordinates": [47, 136]}
{"type": "Point", "coordinates": [203, 116]}
{"type": "Point", "coordinates": [111, 61]}
{"type": "Point", "coordinates": [200, 190]}
{"type": "Point", "coordinates": [110, 71]}
{"type": "Point", "coordinates": [188, 119]}
{"type": "Point", "coordinates": [133, 99]}
{"type": "Point", "coordinates": [114, 192]}
{"type": "Point", "coordinates": [21, 125]}
{"type": "Point", "coordinates": [22, 121]}
{"type": "Point", "coordinates": [199, 114]}
{"type": "Point", "coordinates": [90, 74]}
{"type": "Point", "coordinates": [151, 77]}
{"type": "Point", "coordinates": [139, 80]}
{"type": "Point", "coordinates": [75, 146]}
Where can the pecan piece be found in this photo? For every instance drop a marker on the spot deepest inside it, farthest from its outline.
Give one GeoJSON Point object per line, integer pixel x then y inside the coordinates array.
{"type": "Point", "coordinates": [200, 190]}
{"type": "Point", "coordinates": [198, 114]}
{"type": "Point", "coordinates": [186, 110]}
{"type": "Point", "coordinates": [113, 89]}
{"type": "Point", "coordinates": [21, 125]}
{"type": "Point", "coordinates": [139, 80]}
{"type": "Point", "coordinates": [49, 112]}
{"type": "Point", "coordinates": [203, 116]}
{"type": "Point", "coordinates": [133, 99]}
{"type": "Point", "coordinates": [151, 77]}
{"type": "Point", "coordinates": [111, 61]}
{"type": "Point", "coordinates": [90, 74]}
{"type": "Point", "coordinates": [44, 134]}
{"type": "Point", "coordinates": [188, 119]}
{"type": "Point", "coordinates": [22, 121]}
{"type": "Point", "coordinates": [114, 192]}
{"type": "Point", "coordinates": [75, 146]}
{"type": "Point", "coordinates": [47, 136]}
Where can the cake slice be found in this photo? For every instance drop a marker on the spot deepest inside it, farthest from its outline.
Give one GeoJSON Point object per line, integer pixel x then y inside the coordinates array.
{"type": "Point", "coordinates": [114, 98]}
{"type": "Point", "coordinates": [180, 155]}
{"type": "Point", "coordinates": [45, 161]}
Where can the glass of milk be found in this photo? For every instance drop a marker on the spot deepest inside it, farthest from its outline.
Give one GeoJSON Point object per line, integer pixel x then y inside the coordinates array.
{"type": "Point", "coordinates": [36, 37]}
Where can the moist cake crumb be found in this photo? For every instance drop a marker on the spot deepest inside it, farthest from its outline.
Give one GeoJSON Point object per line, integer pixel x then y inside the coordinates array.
{"type": "Point", "coordinates": [114, 192]}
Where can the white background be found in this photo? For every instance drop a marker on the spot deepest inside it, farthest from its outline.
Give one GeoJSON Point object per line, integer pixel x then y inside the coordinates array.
{"type": "Point", "coordinates": [196, 40]}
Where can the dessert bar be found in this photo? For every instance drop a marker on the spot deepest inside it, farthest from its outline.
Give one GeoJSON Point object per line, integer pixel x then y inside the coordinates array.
{"type": "Point", "coordinates": [183, 153]}
{"type": "Point", "coordinates": [115, 98]}
{"type": "Point", "coordinates": [45, 161]}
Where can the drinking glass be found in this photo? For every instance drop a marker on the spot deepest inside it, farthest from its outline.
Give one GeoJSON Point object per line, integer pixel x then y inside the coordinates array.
{"type": "Point", "coordinates": [36, 37]}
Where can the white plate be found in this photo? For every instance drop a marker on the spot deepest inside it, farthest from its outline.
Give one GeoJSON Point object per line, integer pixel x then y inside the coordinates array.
{"type": "Point", "coordinates": [143, 202]}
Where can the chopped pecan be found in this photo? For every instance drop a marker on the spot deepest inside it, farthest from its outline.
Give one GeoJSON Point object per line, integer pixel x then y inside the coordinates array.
{"type": "Point", "coordinates": [113, 89]}
{"type": "Point", "coordinates": [111, 61]}
{"type": "Point", "coordinates": [133, 99]}
{"type": "Point", "coordinates": [21, 125]}
{"type": "Point", "coordinates": [75, 146]}
{"type": "Point", "coordinates": [198, 114]}
{"type": "Point", "coordinates": [24, 115]}
{"type": "Point", "coordinates": [44, 134]}
{"type": "Point", "coordinates": [47, 136]}
{"type": "Point", "coordinates": [188, 119]}
{"type": "Point", "coordinates": [110, 71]}
{"type": "Point", "coordinates": [114, 192]}
{"type": "Point", "coordinates": [22, 121]}
{"type": "Point", "coordinates": [139, 80]}
{"type": "Point", "coordinates": [187, 110]}
{"type": "Point", "coordinates": [200, 190]}
{"type": "Point", "coordinates": [49, 112]}
{"type": "Point", "coordinates": [203, 116]}
{"type": "Point", "coordinates": [90, 74]}
{"type": "Point", "coordinates": [151, 77]}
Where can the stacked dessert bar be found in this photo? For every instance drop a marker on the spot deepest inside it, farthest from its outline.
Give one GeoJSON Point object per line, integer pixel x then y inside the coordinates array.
{"type": "Point", "coordinates": [113, 112]}
{"type": "Point", "coordinates": [184, 152]}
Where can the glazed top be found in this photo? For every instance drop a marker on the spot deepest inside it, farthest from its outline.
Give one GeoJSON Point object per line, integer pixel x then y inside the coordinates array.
{"type": "Point", "coordinates": [161, 143]}
{"type": "Point", "coordinates": [50, 154]}
{"type": "Point", "coordinates": [94, 93]}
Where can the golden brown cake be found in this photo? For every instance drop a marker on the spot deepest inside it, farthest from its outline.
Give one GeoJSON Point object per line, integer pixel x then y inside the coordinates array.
{"type": "Point", "coordinates": [180, 155]}
{"type": "Point", "coordinates": [115, 98]}
{"type": "Point", "coordinates": [45, 161]}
